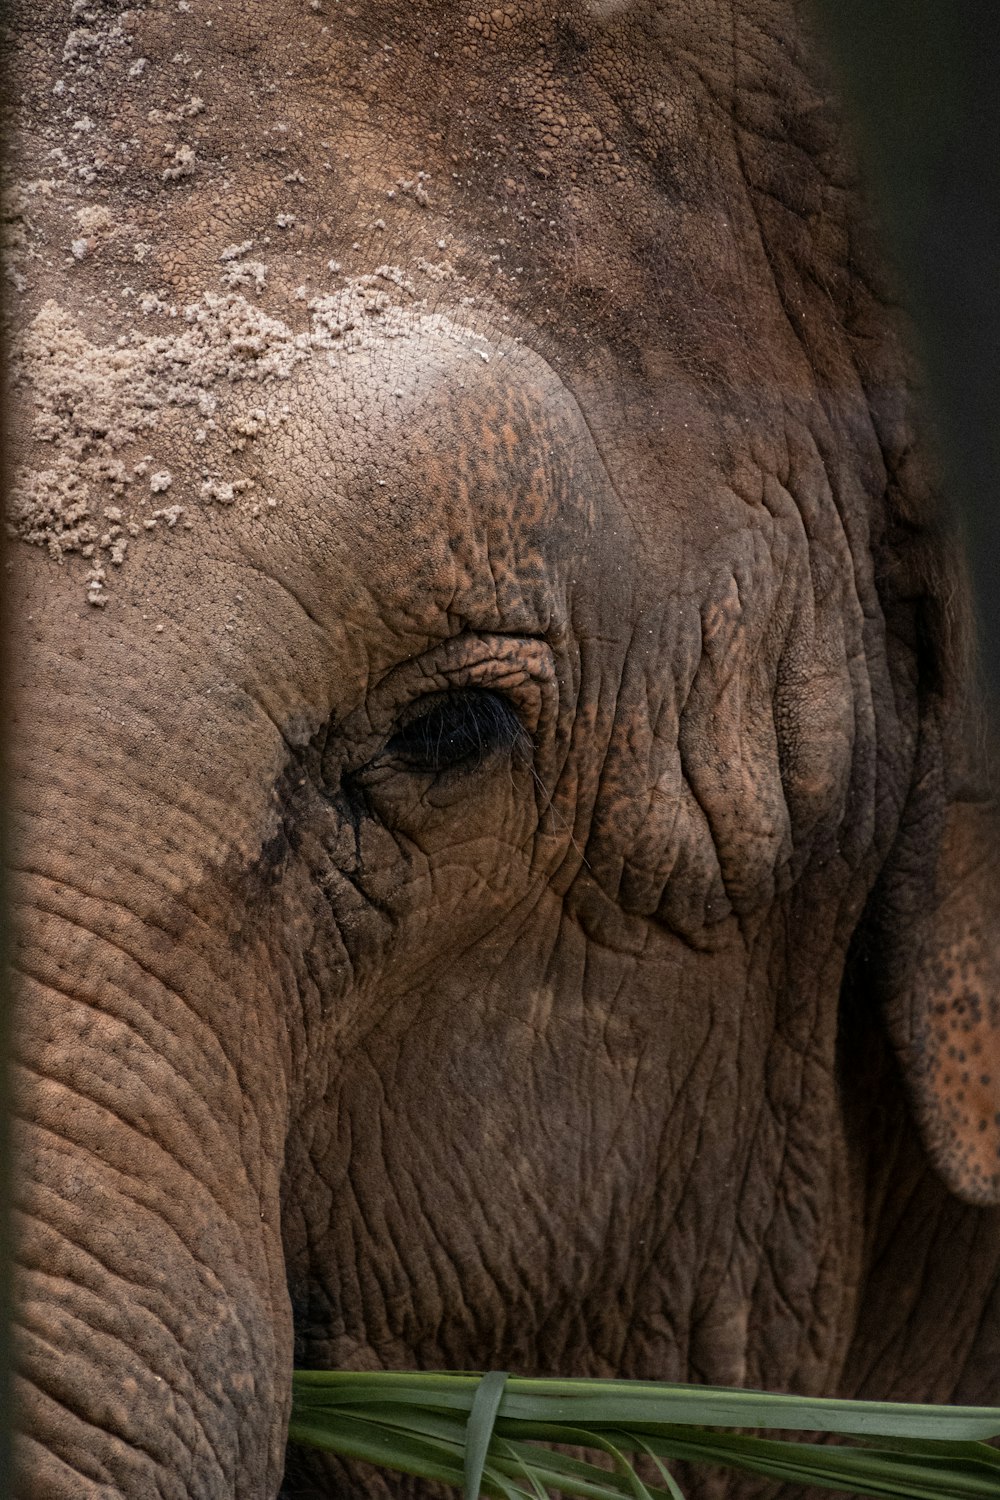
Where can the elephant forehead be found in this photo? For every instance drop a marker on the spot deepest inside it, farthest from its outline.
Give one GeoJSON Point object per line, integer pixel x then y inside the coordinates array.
{"type": "Point", "coordinates": [464, 461]}
{"type": "Point", "coordinates": [379, 423]}
{"type": "Point", "coordinates": [395, 483]}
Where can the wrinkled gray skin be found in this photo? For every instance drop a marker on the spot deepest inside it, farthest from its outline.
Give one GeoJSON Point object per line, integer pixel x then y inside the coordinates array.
{"type": "Point", "coordinates": [522, 898]}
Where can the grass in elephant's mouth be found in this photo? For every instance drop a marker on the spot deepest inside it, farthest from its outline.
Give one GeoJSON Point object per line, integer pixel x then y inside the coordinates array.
{"type": "Point", "coordinates": [490, 1434]}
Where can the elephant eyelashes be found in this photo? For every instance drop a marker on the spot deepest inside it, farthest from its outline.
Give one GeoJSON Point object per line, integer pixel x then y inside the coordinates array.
{"type": "Point", "coordinates": [460, 731]}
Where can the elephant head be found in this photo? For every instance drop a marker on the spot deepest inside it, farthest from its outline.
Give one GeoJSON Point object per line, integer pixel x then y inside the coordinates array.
{"type": "Point", "coordinates": [502, 867]}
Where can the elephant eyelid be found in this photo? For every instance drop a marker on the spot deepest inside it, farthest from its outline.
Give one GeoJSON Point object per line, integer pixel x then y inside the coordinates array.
{"type": "Point", "coordinates": [458, 730]}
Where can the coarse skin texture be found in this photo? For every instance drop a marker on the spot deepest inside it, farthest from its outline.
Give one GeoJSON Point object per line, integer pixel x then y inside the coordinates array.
{"type": "Point", "coordinates": [504, 871]}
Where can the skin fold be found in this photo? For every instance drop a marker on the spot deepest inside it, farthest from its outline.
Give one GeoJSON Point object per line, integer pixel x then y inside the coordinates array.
{"type": "Point", "coordinates": [504, 864]}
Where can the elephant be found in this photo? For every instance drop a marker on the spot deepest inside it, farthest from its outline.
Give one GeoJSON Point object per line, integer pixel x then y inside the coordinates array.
{"type": "Point", "coordinates": [503, 852]}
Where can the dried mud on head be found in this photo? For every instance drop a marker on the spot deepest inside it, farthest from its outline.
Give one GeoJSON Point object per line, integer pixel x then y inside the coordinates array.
{"type": "Point", "coordinates": [202, 198]}
{"type": "Point", "coordinates": [178, 389]}
{"type": "Point", "coordinates": [158, 283]}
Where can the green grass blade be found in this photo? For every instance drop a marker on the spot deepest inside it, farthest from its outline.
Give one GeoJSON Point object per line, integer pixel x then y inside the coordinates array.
{"type": "Point", "coordinates": [479, 1429]}
{"type": "Point", "coordinates": [621, 1463]}
{"type": "Point", "coordinates": [506, 1450]}
{"type": "Point", "coordinates": [931, 1448]}
{"type": "Point", "coordinates": [355, 1438]}
{"type": "Point", "coordinates": [574, 1476]}
{"type": "Point", "coordinates": [858, 1471]}
{"type": "Point", "coordinates": [638, 1404]}
{"type": "Point", "coordinates": [424, 1443]}
{"type": "Point", "coordinates": [463, 1429]}
{"type": "Point", "coordinates": [669, 1482]}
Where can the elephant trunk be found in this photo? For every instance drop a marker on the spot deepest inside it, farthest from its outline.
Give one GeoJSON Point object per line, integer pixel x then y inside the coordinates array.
{"type": "Point", "coordinates": [154, 1331]}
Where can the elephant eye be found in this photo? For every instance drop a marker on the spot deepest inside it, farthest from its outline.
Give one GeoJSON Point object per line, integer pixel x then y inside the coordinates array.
{"type": "Point", "coordinates": [460, 730]}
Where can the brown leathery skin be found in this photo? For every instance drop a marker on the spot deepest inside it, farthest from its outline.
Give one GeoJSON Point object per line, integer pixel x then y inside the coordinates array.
{"type": "Point", "coordinates": [533, 351]}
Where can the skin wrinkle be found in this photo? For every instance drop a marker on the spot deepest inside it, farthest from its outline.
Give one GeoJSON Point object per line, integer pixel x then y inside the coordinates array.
{"type": "Point", "coordinates": [55, 1352]}
{"type": "Point", "coordinates": [69, 1473]}
{"type": "Point", "coordinates": [85, 1151]}
{"type": "Point", "coordinates": [765, 1230]}
{"type": "Point", "coordinates": [232, 1061]}
{"type": "Point", "coordinates": [104, 1473]}
{"type": "Point", "coordinates": [61, 917]}
{"type": "Point", "coordinates": [175, 1459]}
{"type": "Point", "coordinates": [152, 1209]}
{"type": "Point", "coordinates": [174, 888]}
{"type": "Point", "coordinates": [918, 1273]}
{"type": "Point", "coordinates": [76, 999]}
{"type": "Point", "coordinates": [164, 1331]}
{"type": "Point", "coordinates": [108, 1109]}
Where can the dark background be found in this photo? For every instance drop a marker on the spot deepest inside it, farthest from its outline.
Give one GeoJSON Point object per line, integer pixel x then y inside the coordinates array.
{"type": "Point", "coordinates": [922, 82]}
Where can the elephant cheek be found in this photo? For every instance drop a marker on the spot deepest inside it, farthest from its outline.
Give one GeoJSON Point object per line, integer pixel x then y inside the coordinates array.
{"type": "Point", "coordinates": [153, 1332]}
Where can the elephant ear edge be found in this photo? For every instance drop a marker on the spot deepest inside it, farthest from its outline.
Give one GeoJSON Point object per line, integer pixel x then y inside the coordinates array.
{"type": "Point", "coordinates": [930, 940]}
{"type": "Point", "coordinates": [941, 937]}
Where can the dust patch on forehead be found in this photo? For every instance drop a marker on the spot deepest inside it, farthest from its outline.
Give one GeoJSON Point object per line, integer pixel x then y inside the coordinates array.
{"type": "Point", "coordinates": [184, 388]}
{"type": "Point", "coordinates": [607, 10]}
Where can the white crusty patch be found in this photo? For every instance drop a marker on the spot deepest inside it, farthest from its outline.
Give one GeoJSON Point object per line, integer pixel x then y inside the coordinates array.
{"type": "Point", "coordinates": [96, 398]}
{"type": "Point", "coordinates": [51, 508]}
{"type": "Point", "coordinates": [182, 162]}
{"type": "Point", "coordinates": [91, 401]}
{"type": "Point", "coordinates": [250, 273]}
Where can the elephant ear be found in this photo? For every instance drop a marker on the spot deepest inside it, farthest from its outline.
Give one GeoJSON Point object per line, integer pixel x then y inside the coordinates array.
{"type": "Point", "coordinates": [940, 931]}
{"type": "Point", "coordinates": [930, 947]}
